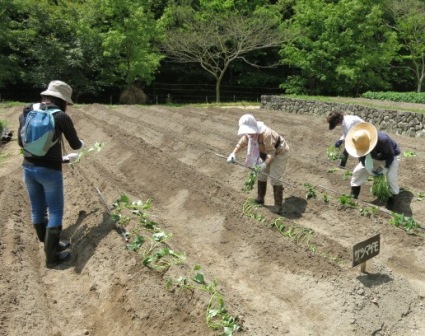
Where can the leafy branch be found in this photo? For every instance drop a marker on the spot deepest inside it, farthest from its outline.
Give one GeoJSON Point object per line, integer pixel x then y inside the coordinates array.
{"type": "Point", "coordinates": [97, 147]}
{"type": "Point", "coordinates": [217, 316]}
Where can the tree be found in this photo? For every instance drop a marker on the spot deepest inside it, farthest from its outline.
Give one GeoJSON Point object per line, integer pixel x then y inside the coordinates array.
{"type": "Point", "coordinates": [409, 22]}
{"type": "Point", "coordinates": [8, 63]}
{"type": "Point", "coordinates": [343, 47]}
{"type": "Point", "coordinates": [215, 38]}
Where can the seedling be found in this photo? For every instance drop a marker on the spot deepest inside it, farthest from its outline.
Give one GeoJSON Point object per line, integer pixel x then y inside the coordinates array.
{"type": "Point", "coordinates": [158, 255]}
{"type": "Point", "coordinates": [347, 200]}
{"type": "Point", "coordinates": [311, 193]}
{"type": "Point", "coordinates": [97, 147]}
{"type": "Point", "coordinates": [347, 175]}
{"type": "Point", "coordinates": [368, 211]}
{"type": "Point", "coordinates": [407, 223]}
{"type": "Point", "coordinates": [154, 251]}
{"type": "Point", "coordinates": [326, 198]}
{"type": "Point", "coordinates": [409, 154]}
{"type": "Point", "coordinates": [250, 181]}
{"type": "Point", "coordinates": [279, 225]}
{"type": "Point", "coordinates": [333, 153]}
{"type": "Point", "coordinates": [217, 316]}
{"type": "Point", "coordinates": [249, 208]}
{"type": "Point", "coordinates": [332, 170]}
{"type": "Point", "coordinates": [421, 196]}
{"type": "Point", "coordinates": [380, 188]}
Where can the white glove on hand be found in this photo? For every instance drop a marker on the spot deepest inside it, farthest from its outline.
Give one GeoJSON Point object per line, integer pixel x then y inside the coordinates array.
{"type": "Point", "coordinates": [71, 157]}
{"type": "Point", "coordinates": [231, 158]}
{"type": "Point", "coordinates": [261, 166]}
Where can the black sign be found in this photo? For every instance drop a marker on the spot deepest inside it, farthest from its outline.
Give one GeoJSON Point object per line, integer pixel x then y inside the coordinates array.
{"type": "Point", "coordinates": [366, 249]}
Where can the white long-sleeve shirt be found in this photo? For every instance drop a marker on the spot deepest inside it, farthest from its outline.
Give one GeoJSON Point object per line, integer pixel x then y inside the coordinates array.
{"type": "Point", "coordinates": [347, 122]}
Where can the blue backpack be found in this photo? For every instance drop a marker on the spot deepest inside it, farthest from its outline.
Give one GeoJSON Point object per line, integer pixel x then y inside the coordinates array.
{"type": "Point", "coordinates": [38, 130]}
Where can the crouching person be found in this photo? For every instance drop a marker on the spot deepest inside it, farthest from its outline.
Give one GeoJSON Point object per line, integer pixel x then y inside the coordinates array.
{"type": "Point", "coordinates": [268, 151]}
{"type": "Point", "coordinates": [378, 154]}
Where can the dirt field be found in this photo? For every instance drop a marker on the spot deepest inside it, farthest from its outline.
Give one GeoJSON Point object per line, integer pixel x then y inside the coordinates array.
{"type": "Point", "coordinates": [300, 282]}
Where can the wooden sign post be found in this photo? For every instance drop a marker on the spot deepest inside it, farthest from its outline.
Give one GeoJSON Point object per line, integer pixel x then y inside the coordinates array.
{"type": "Point", "coordinates": [366, 250]}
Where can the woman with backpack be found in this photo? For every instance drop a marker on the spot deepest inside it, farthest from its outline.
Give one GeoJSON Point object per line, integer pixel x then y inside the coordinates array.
{"type": "Point", "coordinates": [42, 171]}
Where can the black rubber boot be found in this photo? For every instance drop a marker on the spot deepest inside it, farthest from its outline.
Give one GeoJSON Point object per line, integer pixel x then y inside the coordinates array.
{"type": "Point", "coordinates": [261, 189]}
{"type": "Point", "coordinates": [355, 191]}
{"type": "Point", "coordinates": [390, 203]}
{"type": "Point", "coordinates": [51, 247]}
{"type": "Point", "coordinates": [278, 199]}
{"type": "Point", "coordinates": [40, 229]}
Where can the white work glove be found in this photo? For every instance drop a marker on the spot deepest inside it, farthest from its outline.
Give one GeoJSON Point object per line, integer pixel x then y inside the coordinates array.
{"type": "Point", "coordinates": [71, 157]}
{"type": "Point", "coordinates": [82, 144]}
{"type": "Point", "coordinates": [231, 158]}
{"type": "Point", "coordinates": [261, 166]}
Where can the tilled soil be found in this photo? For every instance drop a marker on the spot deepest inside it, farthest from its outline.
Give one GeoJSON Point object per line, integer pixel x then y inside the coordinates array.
{"type": "Point", "coordinates": [300, 282]}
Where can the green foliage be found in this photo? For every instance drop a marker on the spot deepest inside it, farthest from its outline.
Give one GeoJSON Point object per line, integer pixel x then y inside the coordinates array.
{"type": "Point", "coordinates": [333, 153]}
{"type": "Point", "coordinates": [347, 200]}
{"type": "Point", "coordinates": [407, 97]}
{"type": "Point", "coordinates": [380, 187]}
{"type": "Point", "coordinates": [311, 192]}
{"type": "Point", "coordinates": [343, 47]}
{"type": "Point", "coordinates": [347, 175]}
{"type": "Point", "coordinates": [145, 236]}
{"type": "Point", "coordinates": [406, 223]}
{"type": "Point", "coordinates": [368, 211]}
{"type": "Point", "coordinates": [249, 208]}
{"type": "Point", "coordinates": [250, 181]}
{"type": "Point", "coordinates": [409, 154]}
{"type": "Point", "coordinates": [206, 38]}
{"type": "Point", "coordinates": [97, 147]}
{"type": "Point", "coordinates": [217, 316]}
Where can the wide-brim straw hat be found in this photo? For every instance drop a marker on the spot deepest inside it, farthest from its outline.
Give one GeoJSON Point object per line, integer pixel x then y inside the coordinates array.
{"type": "Point", "coordinates": [60, 90]}
{"type": "Point", "coordinates": [361, 139]}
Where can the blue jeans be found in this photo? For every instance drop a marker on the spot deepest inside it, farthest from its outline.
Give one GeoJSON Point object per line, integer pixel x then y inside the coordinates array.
{"type": "Point", "coordinates": [45, 189]}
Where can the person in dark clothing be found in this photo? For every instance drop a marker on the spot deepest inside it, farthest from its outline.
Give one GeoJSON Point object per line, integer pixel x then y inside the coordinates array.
{"type": "Point", "coordinates": [43, 174]}
{"type": "Point", "coordinates": [378, 154]}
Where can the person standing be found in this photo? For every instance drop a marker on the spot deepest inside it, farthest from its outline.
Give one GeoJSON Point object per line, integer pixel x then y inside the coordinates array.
{"type": "Point", "coordinates": [337, 118]}
{"type": "Point", "coordinates": [43, 174]}
{"type": "Point", "coordinates": [378, 154]}
{"type": "Point", "coordinates": [268, 151]}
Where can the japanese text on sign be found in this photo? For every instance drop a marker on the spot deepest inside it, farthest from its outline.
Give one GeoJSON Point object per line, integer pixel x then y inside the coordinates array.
{"type": "Point", "coordinates": [366, 250]}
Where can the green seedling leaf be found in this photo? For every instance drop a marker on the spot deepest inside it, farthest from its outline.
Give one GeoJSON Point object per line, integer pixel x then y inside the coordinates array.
{"type": "Point", "coordinates": [409, 154]}
{"type": "Point", "coordinates": [134, 245]}
{"type": "Point", "coordinates": [199, 278]}
{"type": "Point", "coordinates": [311, 193]}
{"type": "Point", "coordinates": [250, 181]}
{"type": "Point", "coordinates": [333, 153]}
{"type": "Point", "coordinates": [380, 188]}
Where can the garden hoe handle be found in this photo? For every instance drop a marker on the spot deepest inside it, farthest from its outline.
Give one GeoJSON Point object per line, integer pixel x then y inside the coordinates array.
{"type": "Point", "coordinates": [120, 229]}
{"type": "Point", "coordinates": [253, 169]}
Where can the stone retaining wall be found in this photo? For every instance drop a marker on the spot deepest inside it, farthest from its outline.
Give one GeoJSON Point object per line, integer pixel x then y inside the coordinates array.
{"type": "Point", "coordinates": [391, 121]}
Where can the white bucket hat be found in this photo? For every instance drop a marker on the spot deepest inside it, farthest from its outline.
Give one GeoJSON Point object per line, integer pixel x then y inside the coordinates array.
{"type": "Point", "coordinates": [361, 139]}
{"type": "Point", "coordinates": [60, 90]}
{"type": "Point", "coordinates": [248, 125]}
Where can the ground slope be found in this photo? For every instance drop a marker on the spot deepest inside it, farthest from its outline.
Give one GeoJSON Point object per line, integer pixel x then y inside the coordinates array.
{"type": "Point", "coordinates": [271, 283]}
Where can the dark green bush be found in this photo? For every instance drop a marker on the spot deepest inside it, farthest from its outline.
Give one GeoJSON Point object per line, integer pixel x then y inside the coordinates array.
{"type": "Point", "coordinates": [406, 97]}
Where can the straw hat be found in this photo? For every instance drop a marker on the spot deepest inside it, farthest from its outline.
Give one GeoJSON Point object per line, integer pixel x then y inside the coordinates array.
{"type": "Point", "coordinates": [60, 90]}
{"type": "Point", "coordinates": [361, 139]}
{"type": "Point", "coordinates": [248, 125]}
